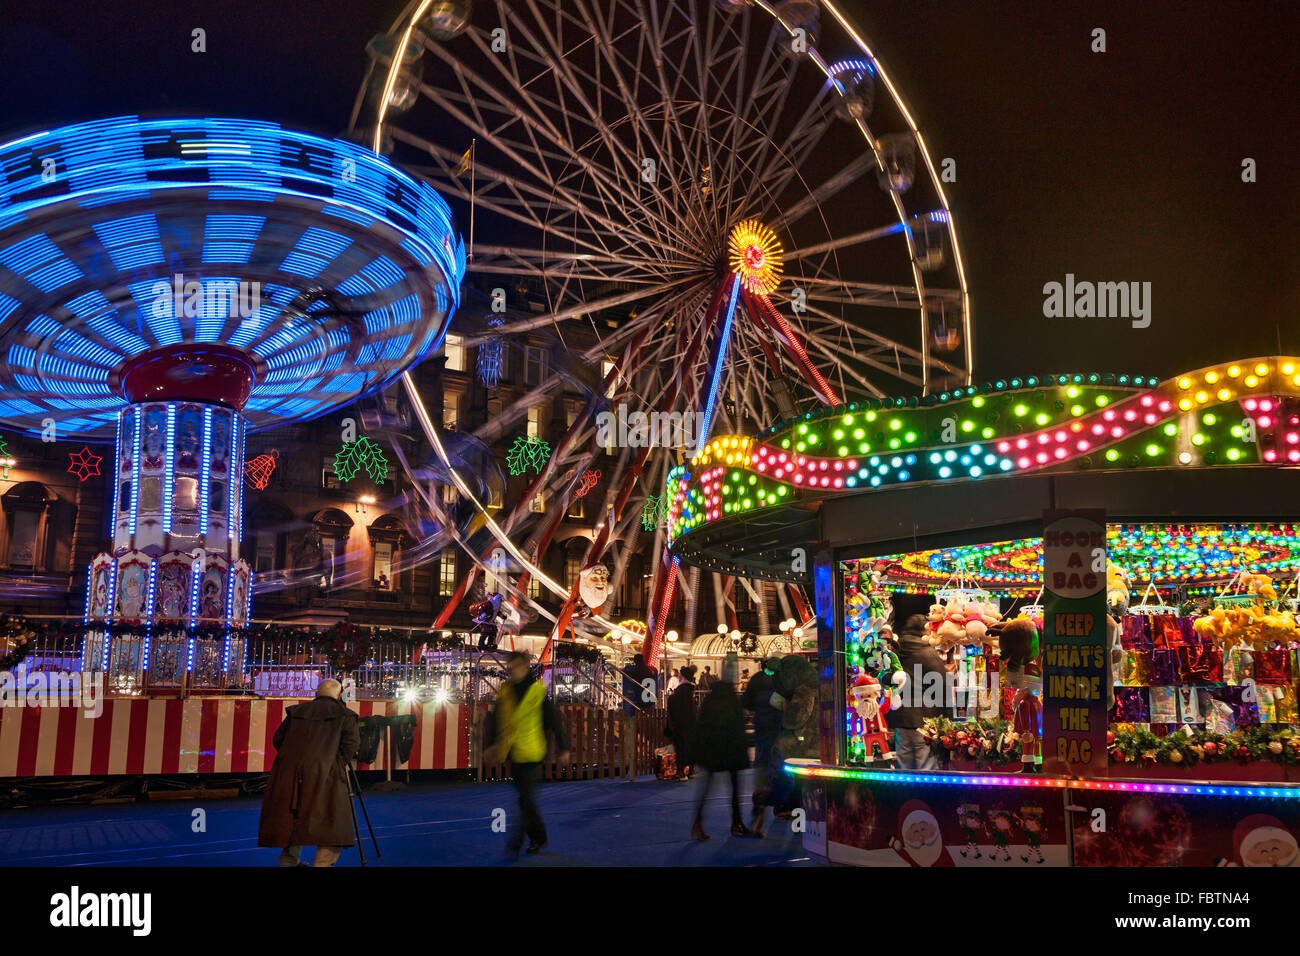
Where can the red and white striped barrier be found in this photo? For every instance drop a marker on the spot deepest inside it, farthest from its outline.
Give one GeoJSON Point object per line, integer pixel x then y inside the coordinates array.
{"type": "Point", "coordinates": [197, 735]}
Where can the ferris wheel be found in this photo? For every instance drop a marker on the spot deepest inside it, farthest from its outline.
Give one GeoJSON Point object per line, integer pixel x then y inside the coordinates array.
{"type": "Point", "coordinates": [725, 206]}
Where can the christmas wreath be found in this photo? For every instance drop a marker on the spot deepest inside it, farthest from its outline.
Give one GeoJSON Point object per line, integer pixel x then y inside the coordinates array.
{"type": "Point", "coordinates": [748, 643]}
{"type": "Point", "coordinates": [345, 647]}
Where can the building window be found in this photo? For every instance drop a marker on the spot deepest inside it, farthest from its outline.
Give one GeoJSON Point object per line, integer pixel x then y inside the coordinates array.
{"type": "Point", "coordinates": [535, 422]}
{"type": "Point", "coordinates": [534, 358]}
{"type": "Point", "coordinates": [448, 494]}
{"type": "Point", "coordinates": [383, 574]}
{"type": "Point", "coordinates": [450, 411]}
{"type": "Point", "coordinates": [534, 587]}
{"type": "Point", "coordinates": [454, 349]}
{"type": "Point", "coordinates": [538, 505]}
{"type": "Point", "coordinates": [328, 479]}
{"type": "Point", "coordinates": [447, 574]}
{"type": "Point", "coordinates": [575, 508]}
{"type": "Point", "coordinates": [606, 367]}
{"type": "Point", "coordinates": [23, 529]}
{"type": "Point", "coordinates": [264, 556]}
{"type": "Point", "coordinates": [572, 565]}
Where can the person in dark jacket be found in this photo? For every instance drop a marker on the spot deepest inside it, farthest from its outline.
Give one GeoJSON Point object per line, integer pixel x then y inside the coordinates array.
{"type": "Point", "coordinates": [757, 698]}
{"type": "Point", "coordinates": [926, 684]}
{"type": "Point", "coordinates": [523, 727]}
{"type": "Point", "coordinates": [307, 797]}
{"type": "Point", "coordinates": [796, 698]}
{"type": "Point", "coordinates": [718, 745]}
{"type": "Point", "coordinates": [681, 720]}
{"type": "Point", "coordinates": [635, 688]}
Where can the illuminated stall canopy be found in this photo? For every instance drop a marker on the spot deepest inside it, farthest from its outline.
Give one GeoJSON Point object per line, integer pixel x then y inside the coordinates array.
{"type": "Point", "coordinates": [742, 502]}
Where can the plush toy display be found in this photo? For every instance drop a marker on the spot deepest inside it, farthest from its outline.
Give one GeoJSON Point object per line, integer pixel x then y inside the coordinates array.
{"type": "Point", "coordinates": [1252, 625]}
{"type": "Point", "coordinates": [871, 707]}
{"type": "Point", "coordinates": [961, 621]}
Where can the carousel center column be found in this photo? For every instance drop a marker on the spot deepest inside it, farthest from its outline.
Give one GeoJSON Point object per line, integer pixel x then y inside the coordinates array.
{"type": "Point", "coordinates": [173, 586]}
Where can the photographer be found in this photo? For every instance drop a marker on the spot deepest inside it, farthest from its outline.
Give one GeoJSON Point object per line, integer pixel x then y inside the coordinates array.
{"type": "Point", "coordinates": [306, 799]}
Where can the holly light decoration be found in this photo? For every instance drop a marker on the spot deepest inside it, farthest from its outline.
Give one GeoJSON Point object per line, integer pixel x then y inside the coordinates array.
{"type": "Point", "coordinates": [357, 455]}
{"type": "Point", "coordinates": [527, 452]}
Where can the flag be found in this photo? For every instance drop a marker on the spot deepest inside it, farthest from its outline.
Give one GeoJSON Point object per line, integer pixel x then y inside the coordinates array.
{"type": "Point", "coordinates": [463, 166]}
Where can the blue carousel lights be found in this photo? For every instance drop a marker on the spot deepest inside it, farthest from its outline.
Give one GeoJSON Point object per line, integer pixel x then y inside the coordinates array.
{"type": "Point", "coordinates": [135, 471]}
{"type": "Point", "coordinates": [169, 476]}
{"type": "Point", "coordinates": [127, 204]}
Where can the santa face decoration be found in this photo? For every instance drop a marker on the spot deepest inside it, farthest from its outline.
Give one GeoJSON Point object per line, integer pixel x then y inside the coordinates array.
{"type": "Point", "coordinates": [593, 586]}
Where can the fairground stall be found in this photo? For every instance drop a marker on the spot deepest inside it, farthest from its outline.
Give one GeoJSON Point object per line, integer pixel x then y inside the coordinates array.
{"type": "Point", "coordinates": [1107, 568]}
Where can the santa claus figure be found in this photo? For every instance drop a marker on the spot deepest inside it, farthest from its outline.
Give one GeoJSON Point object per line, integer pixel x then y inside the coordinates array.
{"type": "Point", "coordinates": [871, 707]}
{"type": "Point", "coordinates": [593, 589]}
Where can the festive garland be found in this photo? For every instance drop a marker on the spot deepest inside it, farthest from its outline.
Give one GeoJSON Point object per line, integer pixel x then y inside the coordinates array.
{"type": "Point", "coordinates": [1136, 747]}
{"type": "Point", "coordinates": [970, 740]}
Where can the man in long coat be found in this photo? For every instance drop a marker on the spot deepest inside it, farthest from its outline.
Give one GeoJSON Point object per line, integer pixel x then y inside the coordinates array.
{"type": "Point", "coordinates": [306, 800]}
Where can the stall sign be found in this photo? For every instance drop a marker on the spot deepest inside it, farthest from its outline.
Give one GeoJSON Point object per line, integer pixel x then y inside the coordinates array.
{"type": "Point", "coordinates": [1075, 658]}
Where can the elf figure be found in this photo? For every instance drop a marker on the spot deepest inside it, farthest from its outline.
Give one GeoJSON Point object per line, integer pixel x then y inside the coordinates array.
{"type": "Point", "coordinates": [871, 710]}
{"type": "Point", "coordinates": [1031, 821]}
{"type": "Point", "coordinates": [1002, 822]}
{"type": "Point", "coordinates": [968, 815]}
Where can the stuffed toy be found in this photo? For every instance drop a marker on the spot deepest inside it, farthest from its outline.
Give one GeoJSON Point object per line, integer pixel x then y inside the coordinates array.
{"type": "Point", "coordinates": [871, 707]}
{"type": "Point", "coordinates": [961, 621]}
{"type": "Point", "coordinates": [1117, 590]}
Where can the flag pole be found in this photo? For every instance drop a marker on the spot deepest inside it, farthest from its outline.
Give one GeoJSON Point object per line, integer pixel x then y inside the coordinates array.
{"type": "Point", "coordinates": [472, 144]}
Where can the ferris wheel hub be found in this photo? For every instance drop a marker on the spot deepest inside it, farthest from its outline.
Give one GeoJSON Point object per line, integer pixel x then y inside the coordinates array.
{"type": "Point", "coordinates": [756, 256]}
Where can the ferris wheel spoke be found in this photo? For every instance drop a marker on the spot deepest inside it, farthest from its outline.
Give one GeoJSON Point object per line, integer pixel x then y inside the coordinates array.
{"type": "Point", "coordinates": [606, 43]}
{"type": "Point", "coordinates": [568, 72]}
{"type": "Point", "coordinates": [846, 177]}
{"type": "Point", "coordinates": [851, 329]}
{"type": "Point", "coordinates": [513, 184]}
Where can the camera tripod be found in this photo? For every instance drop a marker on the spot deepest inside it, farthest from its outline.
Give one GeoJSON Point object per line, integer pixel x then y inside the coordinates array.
{"type": "Point", "coordinates": [354, 790]}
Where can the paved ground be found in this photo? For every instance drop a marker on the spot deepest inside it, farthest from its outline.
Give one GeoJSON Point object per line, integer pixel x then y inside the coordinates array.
{"type": "Point", "coordinates": [590, 823]}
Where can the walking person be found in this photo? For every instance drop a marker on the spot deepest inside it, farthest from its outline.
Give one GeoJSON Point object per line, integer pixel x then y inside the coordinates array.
{"type": "Point", "coordinates": [924, 669]}
{"type": "Point", "coordinates": [522, 727]}
{"type": "Point", "coordinates": [757, 699]}
{"type": "Point", "coordinates": [796, 698]}
{"type": "Point", "coordinates": [718, 745]}
{"type": "Point", "coordinates": [635, 688]}
{"type": "Point", "coordinates": [681, 720]}
{"type": "Point", "coordinates": [307, 797]}
{"type": "Point", "coordinates": [674, 679]}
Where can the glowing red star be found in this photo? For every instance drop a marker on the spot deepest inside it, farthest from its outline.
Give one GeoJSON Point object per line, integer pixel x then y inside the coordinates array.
{"type": "Point", "coordinates": [84, 463]}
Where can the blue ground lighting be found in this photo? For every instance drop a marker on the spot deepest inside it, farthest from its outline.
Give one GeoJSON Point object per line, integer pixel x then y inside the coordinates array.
{"type": "Point", "coordinates": [97, 219]}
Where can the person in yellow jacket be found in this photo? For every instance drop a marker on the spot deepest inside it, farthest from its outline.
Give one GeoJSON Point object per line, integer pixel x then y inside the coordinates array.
{"type": "Point", "coordinates": [522, 728]}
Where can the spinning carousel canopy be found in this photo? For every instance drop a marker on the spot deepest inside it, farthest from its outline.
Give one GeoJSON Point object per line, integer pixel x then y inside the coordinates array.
{"type": "Point", "coordinates": [125, 240]}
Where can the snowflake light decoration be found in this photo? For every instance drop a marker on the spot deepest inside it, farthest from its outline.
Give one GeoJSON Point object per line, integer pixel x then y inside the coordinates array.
{"type": "Point", "coordinates": [84, 463]}
{"type": "Point", "coordinates": [361, 454]}
{"type": "Point", "coordinates": [528, 451]}
{"type": "Point", "coordinates": [756, 256]}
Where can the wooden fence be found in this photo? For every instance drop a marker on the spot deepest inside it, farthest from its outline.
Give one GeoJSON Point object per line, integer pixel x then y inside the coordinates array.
{"type": "Point", "coordinates": [602, 744]}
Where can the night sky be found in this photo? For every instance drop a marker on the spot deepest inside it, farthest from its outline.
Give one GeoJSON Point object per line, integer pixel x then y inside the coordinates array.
{"type": "Point", "coordinates": [1122, 166]}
